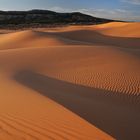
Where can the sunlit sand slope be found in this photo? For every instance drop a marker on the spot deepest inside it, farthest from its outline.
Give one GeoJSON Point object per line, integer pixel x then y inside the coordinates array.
{"type": "Point", "coordinates": [120, 29]}
{"type": "Point", "coordinates": [24, 114]}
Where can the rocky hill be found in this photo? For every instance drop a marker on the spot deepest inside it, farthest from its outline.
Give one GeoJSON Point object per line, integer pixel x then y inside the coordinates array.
{"type": "Point", "coordinates": [44, 18]}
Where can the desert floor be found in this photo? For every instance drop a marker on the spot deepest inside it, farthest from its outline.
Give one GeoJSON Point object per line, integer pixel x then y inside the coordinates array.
{"type": "Point", "coordinates": [71, 83]}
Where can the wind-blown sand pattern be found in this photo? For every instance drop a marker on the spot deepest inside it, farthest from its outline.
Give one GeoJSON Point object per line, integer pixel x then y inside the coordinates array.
{"type": "Point", "coordinates": [71, 83]}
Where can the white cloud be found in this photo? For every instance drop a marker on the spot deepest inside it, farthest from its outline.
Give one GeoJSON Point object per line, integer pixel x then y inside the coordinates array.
{"type": "Point", "coordinates": [59, 9]}
{"type": "Point", "coordinates": [136, 2]}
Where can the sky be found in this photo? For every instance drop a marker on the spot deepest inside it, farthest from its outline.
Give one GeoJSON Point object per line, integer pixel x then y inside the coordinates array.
{"type": "Point", "coordinates": [113, 9]}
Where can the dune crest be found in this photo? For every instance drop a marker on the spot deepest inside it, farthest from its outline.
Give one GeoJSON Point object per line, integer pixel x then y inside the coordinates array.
{"type": "Point", "coordinates": [120, 29]}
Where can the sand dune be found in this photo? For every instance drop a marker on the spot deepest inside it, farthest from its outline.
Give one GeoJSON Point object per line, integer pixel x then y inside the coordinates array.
{"type": "Point", "coordinates": [75, 82]}
{"type": "Point", "coordinates": [27, 39]}
{"type": "Point", "coordinates": [24, 114]}
{"type": "Point", "coordinates": [96, 38]}
{"type": "Point", "coordinates": [120, 29]}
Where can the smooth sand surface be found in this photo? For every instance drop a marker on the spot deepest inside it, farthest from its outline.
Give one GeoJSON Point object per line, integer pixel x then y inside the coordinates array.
{"type": "Point", "coordinates": [71, 83]}
{"type": "Point", "coordinates": [120, 29]}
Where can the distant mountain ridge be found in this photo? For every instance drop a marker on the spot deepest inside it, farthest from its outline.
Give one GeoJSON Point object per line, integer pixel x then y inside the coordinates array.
{"type": "Point", "coordinates": [46, 17]}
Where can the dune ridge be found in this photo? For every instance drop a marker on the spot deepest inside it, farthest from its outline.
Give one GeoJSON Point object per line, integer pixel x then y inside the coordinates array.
{"type": "Point", "coordinates": [37, 119]}
{"type": "Point", "coordinates": [120, 29]}
{"type": "Point", "coordinates": [47, 75]}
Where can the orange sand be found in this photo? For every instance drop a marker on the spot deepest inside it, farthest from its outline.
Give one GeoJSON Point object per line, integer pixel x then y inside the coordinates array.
{"type": "Point", "coordinates": [45, 73]}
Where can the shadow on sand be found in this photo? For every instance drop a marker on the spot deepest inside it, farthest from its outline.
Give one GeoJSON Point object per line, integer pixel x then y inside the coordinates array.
{"type": "Point", "coordinates": [96, 38]}
{"type": "Point", "coordinates": [103, 109]}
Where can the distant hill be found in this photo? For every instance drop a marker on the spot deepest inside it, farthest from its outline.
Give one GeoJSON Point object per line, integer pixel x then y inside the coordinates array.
{"type": "Point", "coordinates": [39, 18]}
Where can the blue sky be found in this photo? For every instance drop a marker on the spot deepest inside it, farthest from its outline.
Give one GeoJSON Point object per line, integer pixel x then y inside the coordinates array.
{"type": "Point", "coordinates": [115, 9]}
